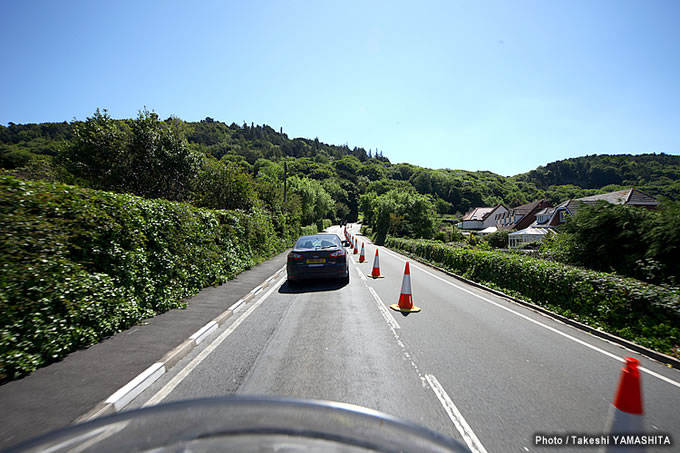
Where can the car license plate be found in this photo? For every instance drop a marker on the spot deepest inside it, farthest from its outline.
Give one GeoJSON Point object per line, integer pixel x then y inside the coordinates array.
{"type": "Point", "coordinates": [316, 261]}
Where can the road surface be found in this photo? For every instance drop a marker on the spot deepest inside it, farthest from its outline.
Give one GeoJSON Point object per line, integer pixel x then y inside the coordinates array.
{"type": "Point", "coordinates": [471, 365]}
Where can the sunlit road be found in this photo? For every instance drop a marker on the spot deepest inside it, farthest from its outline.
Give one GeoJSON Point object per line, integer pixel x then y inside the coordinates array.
{"type": "Point", "coordinates": [471, 365]}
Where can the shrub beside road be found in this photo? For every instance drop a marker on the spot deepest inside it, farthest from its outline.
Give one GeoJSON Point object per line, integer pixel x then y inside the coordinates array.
{"type": "Point", "coordinates": [80, 265]}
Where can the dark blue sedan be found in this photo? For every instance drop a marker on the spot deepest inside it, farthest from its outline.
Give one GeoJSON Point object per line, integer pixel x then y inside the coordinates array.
{"type": "Point", "coordinates": [318, 256]}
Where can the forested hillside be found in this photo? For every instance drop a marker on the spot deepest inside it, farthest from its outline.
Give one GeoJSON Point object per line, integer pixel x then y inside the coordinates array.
{"type": "Point", "coordinates": [656, 174]}
{"type": "Point", "coordinates": [213, 164]}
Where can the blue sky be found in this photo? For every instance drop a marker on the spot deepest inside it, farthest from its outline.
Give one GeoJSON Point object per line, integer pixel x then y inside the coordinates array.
{"type": "Point", "coordinates": [503, 86]}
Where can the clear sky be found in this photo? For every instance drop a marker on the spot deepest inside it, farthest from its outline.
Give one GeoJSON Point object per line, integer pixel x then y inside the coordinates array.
{"type": "Point", "coordinates": [491, 85]}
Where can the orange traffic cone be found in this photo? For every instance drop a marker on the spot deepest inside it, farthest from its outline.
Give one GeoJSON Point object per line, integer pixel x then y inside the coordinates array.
{"type": "Point", "coordinates": [362, 256]}
{"type": "Point", "coordinates": [375, 273]}
{"type": "Point", "coordinates": [625, 413]}
{"type": "Point", "coordinates": [356, 250]}
{"type": "Point", "coordinates": [405, 304]}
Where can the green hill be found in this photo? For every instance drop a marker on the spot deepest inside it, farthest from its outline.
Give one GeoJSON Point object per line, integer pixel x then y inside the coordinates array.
{"type": "Point", "coordinates": [35, 151]}
{"type": "Point", "coordinates": [656, 174]}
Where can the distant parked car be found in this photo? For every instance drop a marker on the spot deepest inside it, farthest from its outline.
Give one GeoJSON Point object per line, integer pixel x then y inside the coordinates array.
{"type": "Point", "coordinates": [318, 256]}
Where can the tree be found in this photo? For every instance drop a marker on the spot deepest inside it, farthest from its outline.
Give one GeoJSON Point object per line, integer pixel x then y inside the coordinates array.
{"type": "Point", "coordinates": [159, 161]}
{"type": "Point", "coordinates": [372, 170]}
{"type": "Point", "coordinates": [97, 156]}
{"type": "Point", "coordinates": [317, 204]}
{"type": "Point", "coordinates": [347, 168]}
{"type": "Point", "coordinates": [422, 181]}
{"type": "Point", "coordinates": [605, 237]}
{"type": "Point", "coordinates": [223, 185]}
{"type": "Point", "coordinates": [401, 213]}
{"type": "Point", "coordinates": [663, 237]}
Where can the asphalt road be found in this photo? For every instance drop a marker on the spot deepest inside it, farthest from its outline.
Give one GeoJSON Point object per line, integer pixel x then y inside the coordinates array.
{"type": "Point", "coordinates": [471, 365]}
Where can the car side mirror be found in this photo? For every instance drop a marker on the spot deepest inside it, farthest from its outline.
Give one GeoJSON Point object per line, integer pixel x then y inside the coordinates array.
{"type": "Point", "coordinates": [345, 243]}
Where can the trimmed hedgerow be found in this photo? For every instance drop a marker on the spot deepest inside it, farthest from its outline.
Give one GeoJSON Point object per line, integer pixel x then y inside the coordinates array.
{"type": "Point", "coordinates": [646, 314]}
{"type": "Point", "coordinates": [309, 229]}
{"type": "Point", "coordinates": [79, 265]}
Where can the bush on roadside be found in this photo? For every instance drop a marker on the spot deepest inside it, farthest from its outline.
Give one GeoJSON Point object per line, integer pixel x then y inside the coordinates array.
{"type": "Point", "coordinates": [498, 240]}
{"type": "Point", "coordinates": [646, 314]}
{"type": "Point", "coordinates": [309, 229]}
{"type": "Point", "coordinates": [322, 224]}
{"type": "Point", "coordinates": [79, 265]}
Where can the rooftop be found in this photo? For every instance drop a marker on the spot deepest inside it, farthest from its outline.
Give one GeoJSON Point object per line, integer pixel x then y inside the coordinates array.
{"type": "Point", "coordinates": [479, 213]}
{"type": "Point", "coordinates": [629, 196]}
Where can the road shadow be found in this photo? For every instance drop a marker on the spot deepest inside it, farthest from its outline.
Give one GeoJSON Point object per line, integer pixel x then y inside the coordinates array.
{"type": "Point", "coordinates": [311, 286]}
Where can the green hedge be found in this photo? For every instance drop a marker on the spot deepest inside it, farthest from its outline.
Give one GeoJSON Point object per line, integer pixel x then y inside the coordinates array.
{"type": "Point", "coordinates": [79, 265]}
{"type": "Point", "coordinates": [646, 314]}
{"type": "Point", "coordinates": [309, 229]}
{"type": "Point", "coordinates": [323, 224]}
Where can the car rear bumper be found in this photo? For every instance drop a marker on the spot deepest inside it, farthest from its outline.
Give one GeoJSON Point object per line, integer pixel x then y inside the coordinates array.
{"type": "Point", "coordinates": [304, 271]}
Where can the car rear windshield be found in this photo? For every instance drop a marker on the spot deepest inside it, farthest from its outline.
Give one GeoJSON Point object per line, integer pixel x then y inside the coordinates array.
{"type": "Point", "coordinates": [316, 242]}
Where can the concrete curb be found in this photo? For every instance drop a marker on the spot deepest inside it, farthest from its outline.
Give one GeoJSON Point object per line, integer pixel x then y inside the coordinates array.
{"type": "Point", "coordinates": [122, 397]}
{"type": "Point", "coordinates": [658, 356]}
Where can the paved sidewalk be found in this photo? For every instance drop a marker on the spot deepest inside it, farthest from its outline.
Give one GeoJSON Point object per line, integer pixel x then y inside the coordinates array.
{"type": "Point", "coordinates": [56, 395]}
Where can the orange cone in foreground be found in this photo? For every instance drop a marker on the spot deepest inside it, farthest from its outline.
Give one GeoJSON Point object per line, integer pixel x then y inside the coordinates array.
{"type": "Point", "coordinates": [625, 414]}
{"type": "Point", "coordinates": [362, 256]}
{"type": "Point", "coordinates": [375, 273]}
{"type": "Point", "coordinates": [405, 304]}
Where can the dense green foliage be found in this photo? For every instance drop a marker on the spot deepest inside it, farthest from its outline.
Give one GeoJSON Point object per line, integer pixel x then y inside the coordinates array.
{"type": "Point", "coordinates": [145, 157]}
{"type": "Point", "coordinates": [618, 238]}
{"type": "Point", "coordinates": [400, 213]}
{"type": "Point", "coordinates": [644, 313]}
{"type": "Point", "coordinates": [497, 240]}
{"type": "Point", "coordinates": [79, 265]}
{"type": "Point", "coordinates": [46, 151]}
{"type": "Point", "coordinates": [655, 174]}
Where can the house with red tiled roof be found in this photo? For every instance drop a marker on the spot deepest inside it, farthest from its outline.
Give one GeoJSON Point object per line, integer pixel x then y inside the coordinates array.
{"type": "Point", "coordinates": [522, 216]}
{"type": "Point", "coordinates": [549, 218]}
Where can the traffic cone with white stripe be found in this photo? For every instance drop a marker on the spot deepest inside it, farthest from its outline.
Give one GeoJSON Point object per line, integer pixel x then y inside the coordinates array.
{"type": "Point", "coordinates": [625, 413]}
{"type": "Point", "coordinates": [356, 250]}
{"type": "Point", "coordinates": [362, 256]}
{"type": "Point", "coordinates": [375, 273]}
{"type": "Point", "coordinates": [405, 304]}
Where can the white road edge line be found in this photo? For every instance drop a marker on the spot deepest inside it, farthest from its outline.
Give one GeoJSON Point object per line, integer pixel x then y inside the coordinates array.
{"type": "Point", "coordinates": [456, 417]}
{"type": "Point", "coordinates": [386, 314]}
{"type": "Point", "coordinates": [566, 335]}
{"type": "Point", "coordinates": [175, 381]}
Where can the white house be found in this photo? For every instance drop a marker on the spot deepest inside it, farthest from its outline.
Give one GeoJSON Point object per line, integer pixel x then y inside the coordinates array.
{"type": "Point", "coordinates": [481, 218]}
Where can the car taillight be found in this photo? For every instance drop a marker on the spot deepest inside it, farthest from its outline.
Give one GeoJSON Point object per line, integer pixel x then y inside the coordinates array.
{"type": "Point", "coordinates": [295, 256]}
{"type": "Point", "coordinates": [337, 254]}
